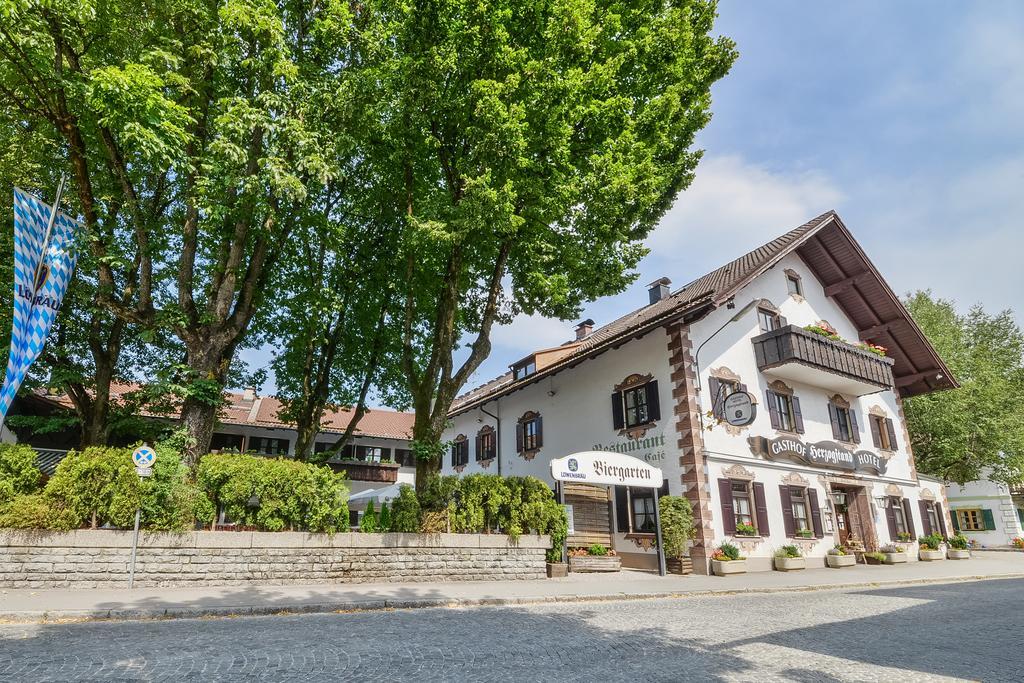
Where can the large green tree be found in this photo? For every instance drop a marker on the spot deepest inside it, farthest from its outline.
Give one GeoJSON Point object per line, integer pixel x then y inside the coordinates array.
{"type": "Point", "coordinates": [531, 146]}
{"type": "Point", "coordinates": [195, 132]}
{"type": "Point", "coordinates": [978, 429]}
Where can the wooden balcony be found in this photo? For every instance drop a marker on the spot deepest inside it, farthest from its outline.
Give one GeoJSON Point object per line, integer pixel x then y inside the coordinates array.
{"type": "Point", "coordinates": [792, 353]}
{"type": "Point", "coordinates": [358, 470]}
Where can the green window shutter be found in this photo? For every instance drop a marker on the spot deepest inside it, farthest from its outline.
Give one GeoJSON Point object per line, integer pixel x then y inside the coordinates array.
{"type": "Point", "coordinates": [956, 522]}
{"type": "Point", "coordinates": [1020, 515]}
{"type": "Point", "coordinates": [990, 521]}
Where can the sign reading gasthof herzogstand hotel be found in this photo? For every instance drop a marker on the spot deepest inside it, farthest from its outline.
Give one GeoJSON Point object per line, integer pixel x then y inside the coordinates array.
{"type": "Point", "coordinates": [819, 454]}
{"type": "Point", "coordinates": [600, 467]}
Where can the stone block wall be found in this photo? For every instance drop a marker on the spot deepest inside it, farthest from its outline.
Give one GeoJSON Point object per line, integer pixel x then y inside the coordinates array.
{"type": "Point", "coordinates": [84, 559]}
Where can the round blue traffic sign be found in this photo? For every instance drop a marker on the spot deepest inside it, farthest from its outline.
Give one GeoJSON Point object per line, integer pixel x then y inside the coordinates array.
{"type": "Point", "coordinates": [143, 456]}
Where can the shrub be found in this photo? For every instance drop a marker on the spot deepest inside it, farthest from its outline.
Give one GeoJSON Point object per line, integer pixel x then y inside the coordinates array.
{"type": "Point", "coordinates": [726, 552]}
{"type": "Point", "coordinates": [368, 524]}
{"type": "Point", "coordinates": [597, 550]}
{"type": "Point", "coordinates": [788, 551]}
{"type": "Point", "coordinates": [958, 541]}
{"type": "Point", "coordinates": [19, 475]}
{"type": "Point", "coordinates": [439, 493]}
{"type": "Point", "coordinates": [384, 523]}
{"type": "Point", "coordinates": [1018, 543]}
{"type": "Point", "coordinates": [877, 556]}
{"type": "Point", "coordinates": [405, 511]}
{"type": "Point", "coordinates": [96, 486]}
{"type": "Point", "coordinates": [676, 524]}
{"type": "Point", "coordinates": [35, 511]}
{"type": "Point", "coordinates": [273, 494]}
{"type": "Point", "coordinates": [930, 542]}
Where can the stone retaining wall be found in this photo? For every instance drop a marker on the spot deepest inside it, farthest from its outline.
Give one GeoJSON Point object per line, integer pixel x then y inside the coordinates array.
{"type": "Point", "coordinates": [84, 559]}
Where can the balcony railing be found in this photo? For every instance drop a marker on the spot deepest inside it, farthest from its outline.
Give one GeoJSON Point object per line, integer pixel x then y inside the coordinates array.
{"type": "Point", "coordinates": [358, 470]}
{"type": "Point", "coordinates": [793, 353]}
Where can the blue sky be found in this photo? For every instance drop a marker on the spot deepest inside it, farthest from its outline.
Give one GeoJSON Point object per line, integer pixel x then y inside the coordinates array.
{"type": "Point", "coordinates": [906, 117]}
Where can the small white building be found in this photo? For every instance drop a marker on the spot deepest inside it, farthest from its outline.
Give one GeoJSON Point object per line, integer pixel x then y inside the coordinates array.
{"type": "Point", "coordinates": [988, 513]}
{"type": "Point", "coordinates": [827, 458]}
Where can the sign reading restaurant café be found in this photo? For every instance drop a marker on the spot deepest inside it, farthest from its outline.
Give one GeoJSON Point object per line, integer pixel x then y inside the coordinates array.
{"type": "Point", "coordinates": [820, 454]}
{"type": "Point", "coordinates": [597, 467]}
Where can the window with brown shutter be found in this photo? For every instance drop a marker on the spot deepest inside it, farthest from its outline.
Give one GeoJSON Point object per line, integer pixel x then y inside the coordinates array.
{"type": "Point", "coordinates": [883, 433]}
{"type": "Point", "coordinates": [485, 443]}
{"type": "Point", "coordinates": [784, 411]}
{"type": "Point", "coordinates": [460, 451]}
{"type": "Point", "coordinates": [635, 405]}
{"type": "Point", "coordinates": [760, 508]}
{"type": "Point", "coordinates": [529, 433]}
{"type": "Point", "coordinates": [844, 421]}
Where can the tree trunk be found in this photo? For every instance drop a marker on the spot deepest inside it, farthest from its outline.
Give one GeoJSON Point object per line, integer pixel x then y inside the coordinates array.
{"type": "Point", "coordinates": [426, 434]}
{"type": "Point", "coordinates": [199, 413]}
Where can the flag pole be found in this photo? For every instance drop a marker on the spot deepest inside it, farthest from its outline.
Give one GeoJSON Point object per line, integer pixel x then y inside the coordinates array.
{"type": "Point", "coordinates": [49, 230]}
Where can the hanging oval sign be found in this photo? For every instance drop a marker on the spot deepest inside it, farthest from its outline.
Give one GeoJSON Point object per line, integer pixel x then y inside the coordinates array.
{"type": "Point", "coordinates": [739, 409]}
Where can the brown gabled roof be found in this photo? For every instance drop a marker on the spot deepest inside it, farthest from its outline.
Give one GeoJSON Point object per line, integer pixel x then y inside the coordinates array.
{"type": "Point", "coordinates": [262, 411]}
{"type": "Point", "coordinates": [830, 251]}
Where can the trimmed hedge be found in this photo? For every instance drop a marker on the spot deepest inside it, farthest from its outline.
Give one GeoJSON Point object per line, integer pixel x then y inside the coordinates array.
{"type": "Point", "coordinates": [19, 475]}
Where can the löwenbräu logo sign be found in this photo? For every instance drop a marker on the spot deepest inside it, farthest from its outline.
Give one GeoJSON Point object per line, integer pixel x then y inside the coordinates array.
{"type": "Point", "coordinates": [597, 467]}
{"type": "Point", "coordinates": [819, 454]}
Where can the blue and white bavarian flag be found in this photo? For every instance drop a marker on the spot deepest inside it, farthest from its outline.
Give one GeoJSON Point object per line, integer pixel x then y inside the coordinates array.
{"type": "Point", "coordinates": [36, 300]}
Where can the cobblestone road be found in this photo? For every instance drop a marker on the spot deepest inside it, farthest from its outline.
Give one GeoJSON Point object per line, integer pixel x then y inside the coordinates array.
{"type": "Point", "coordinates": [916, 633]}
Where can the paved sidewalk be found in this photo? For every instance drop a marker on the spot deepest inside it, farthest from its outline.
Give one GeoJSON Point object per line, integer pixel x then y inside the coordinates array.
{"type": "Point", "coordinates": [141, 603]}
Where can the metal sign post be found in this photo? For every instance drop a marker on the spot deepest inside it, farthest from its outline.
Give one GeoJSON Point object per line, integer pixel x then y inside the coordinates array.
{"type": "Point", "coordinates": [661, 544]}
{"type": "Point", "coordinates": [143, 457]}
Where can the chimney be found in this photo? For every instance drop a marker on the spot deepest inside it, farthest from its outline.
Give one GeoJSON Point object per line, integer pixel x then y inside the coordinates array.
{"type": "Point", "coordinates": [249, 394]}
{"type": "Point", "coordinates": [584, 329]}
{"type": "Point", "coordinates": [658, 289]}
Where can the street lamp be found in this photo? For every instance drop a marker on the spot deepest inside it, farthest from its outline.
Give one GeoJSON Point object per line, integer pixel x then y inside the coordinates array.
{"type": "Point", "coordinates": [839, 497]}
{"type": "Point", "coordinates": [882, 502]}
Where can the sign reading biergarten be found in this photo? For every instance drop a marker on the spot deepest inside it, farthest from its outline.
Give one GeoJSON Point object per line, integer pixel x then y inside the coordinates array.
{"type": "Point", "coordinates": [819, 454]}
{"type": "Point", "coordinates": [604, 468]}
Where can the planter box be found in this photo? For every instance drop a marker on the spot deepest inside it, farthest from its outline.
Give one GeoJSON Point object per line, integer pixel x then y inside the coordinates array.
{"type": "Point", "coordinates": [958, 554]}
{"type": "Point", "coordinates": [557, 570]}
{"type": "Point", "coordinates": [872, 560]}
{"type": "Point", "coordinates": [838, 561]}
{"type": "Point", "coordinates": [726, 567]}
{"type": "Point", "coordinates": [895, 558]}
{"type": "Point", "coordinates": [788, 564]}
{"type": "Point", "coordinates": [595, 563]}
{"type": "Point", "coordinates": [679, 565]}
{"type": "Point", "coordinates": [932, 555]}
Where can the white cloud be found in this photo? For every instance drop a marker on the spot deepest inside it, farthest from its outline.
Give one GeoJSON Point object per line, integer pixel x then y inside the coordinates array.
{"type": "Point", "coordinates": [528, 333]}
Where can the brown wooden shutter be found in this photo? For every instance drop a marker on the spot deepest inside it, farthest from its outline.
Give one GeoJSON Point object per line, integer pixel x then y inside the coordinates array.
{"type": "Point", "coordinates": [854, 427]}
{"type": "Point", "coordinates": [773, 410]}
{"type": "Point", "coordinates": [876, 436]}
{"type": "Point", "coordinates": [618, 417]}
{"type": "Point", "coordinates": [715, 390]}
{"type": "Point", "coordinates": [621, 510]}
{"type": "Point", "coordinates": [653, 404]}
{"type": "Point", "coordinates": [455, 454]}
{"type": "Point", "coordinates": [761, 507]}
{"type": "Point", "coordinates": [540, 430]}
{"type": "Point", "coordinates": [892, 433]}
{"type": "Point", "coordinates": [910, 518]}
{"type": "Point", "coordinates": [519, 437]}
{"type": "Point", "coordinates": [728, 513]}
{"type": "Point", "coordinates": [787, 511]}
{"type": "Point", "coordinates": [478, 448]}
{"type": "Point", "coordinates": [942, 520]}
{"type": "Point", "coordinates": [812, 500]}
{"type": "Point", "coordinates": [798, 415]}
{"type": "Point", "coordinates": [833, 417]}
{"type": "Point", "coordinates": [890, 517]}
{"type": "Point", "coordinates": [926, 524]}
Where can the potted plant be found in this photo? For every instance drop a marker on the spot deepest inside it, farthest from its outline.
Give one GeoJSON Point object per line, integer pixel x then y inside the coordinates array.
{"type": "Point", "coordinates": [837, 557]}
{"type": "Point", "coordinates": [726, 560]}
{"type": "Point", "coordinates": [805, 533]}
{"type": "Point", "coordinates": [676, 532]}
{"type": "Point", "coordinates": [746, 530]}
{"type": "Point", "coordinates": [874, 558]}
{"type": "Point", "coordinates": [596, 558]}
{"type": "Point", "coordinates": [958, 547]}
{"type": "Point", "coordinates": [1018, 543]}
{"type": "Point", "coordinates": [894, 554]}
{"type": "Point", "coordinates": [788, 558]}
{"type": "Point", "coordinates": [904, 537]}
{"type": "Point", "coordinates": [931, 548]}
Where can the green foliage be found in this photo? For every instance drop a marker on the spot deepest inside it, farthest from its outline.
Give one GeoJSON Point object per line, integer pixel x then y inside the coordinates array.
{"type": "Point", "coordinates": [385, 518]}
{"type": "Point", "coordinates": [439, 493]}
{"type": "Point", "coordinates": [34, 511]}
{"type": "Point", "coordinates": [273, 494]}
{"type": "Point", "coordinates": [368, 524]}
{"type": "Point", "coordinates": [977, 430]}
{"type": "Point", "coordinates": [876, 556]}
{"type": "Point", "coordinates": [730, 551]}
{"type": "Point", "coordinates": [405, 511]}
{"type": "Point", "coordinates": [746, 530]}
{"type": "Point", "coordinates": [676, 524]}
{"type": "Point", "coordinates": [97, 486]}
{"type": "Point", "coordinates": [837, 550]}
{"type": "Point", "coordinates": [597, 550]}
{"type": "Point", "coordinates": [931, 541]}
{"type": "Point", "coordinates": [18, 472]}
{"type": "Point", "coordinates": [958, 541]}
{"type": "Point", "coordinates": [788, 551]}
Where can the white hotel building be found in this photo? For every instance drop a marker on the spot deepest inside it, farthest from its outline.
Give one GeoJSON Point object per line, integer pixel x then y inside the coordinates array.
{"type": "Point", "coordinates": [827, 458]}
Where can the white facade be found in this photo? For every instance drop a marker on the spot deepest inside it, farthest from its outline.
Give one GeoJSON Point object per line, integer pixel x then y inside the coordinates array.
{"type": "Point", "coordinates": [996, 508]}
{"type": "Point", "coordinates": [575, 404]}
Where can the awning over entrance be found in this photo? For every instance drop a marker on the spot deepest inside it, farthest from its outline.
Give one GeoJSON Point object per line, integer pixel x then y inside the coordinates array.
{"type": "Point", "coordinates": [359, 501]}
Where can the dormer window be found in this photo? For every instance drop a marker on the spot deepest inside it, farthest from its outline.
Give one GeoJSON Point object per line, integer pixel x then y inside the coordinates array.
{"type": "Point", "coordinates": [524, 368]}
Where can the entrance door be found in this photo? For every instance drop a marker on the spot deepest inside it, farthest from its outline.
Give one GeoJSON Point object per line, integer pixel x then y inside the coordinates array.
{"type": "Point", "coordinates": [843, 522]}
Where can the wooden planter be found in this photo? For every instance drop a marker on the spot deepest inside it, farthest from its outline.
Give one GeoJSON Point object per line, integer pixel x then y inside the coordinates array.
{"type": "Point", "coordinates": [958, 554]}
{"type": "Point", "coordinates": [678, 565]}
{"type": "Point", "coordinates": [726, 567]}
{"type": "Point", "coordinates": [872, 560]}
{"type": "Point", "coordinates": [595, 563]}
{"type": "Point", "coordinates": [557, 570]}
{"type": "Point", "coordinates": [895, 558]}
{"type": "Point", "coordinates": [789, 564]}
{"type": "Point", "coordinates": [931, 555]}
{"type": "Point", "coordinates": [839, 561]}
